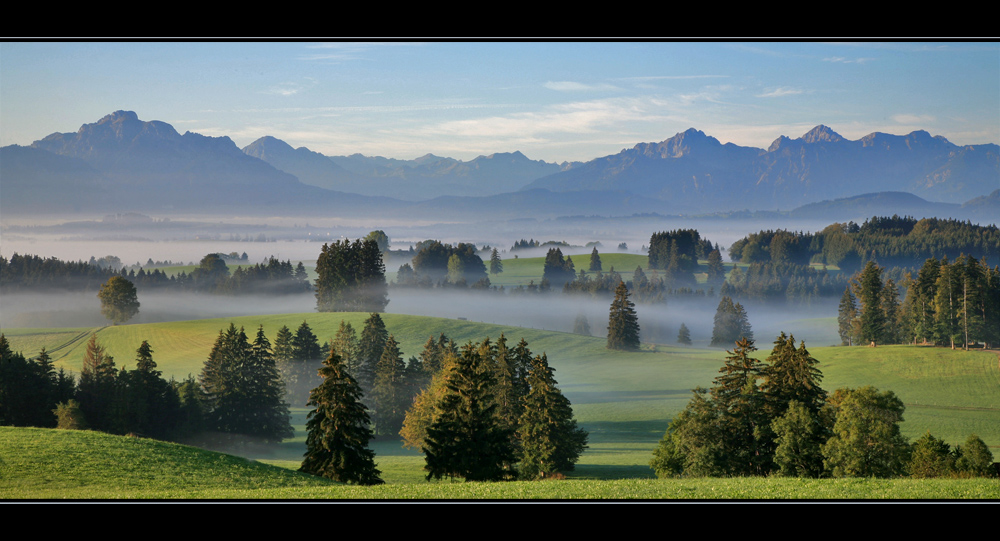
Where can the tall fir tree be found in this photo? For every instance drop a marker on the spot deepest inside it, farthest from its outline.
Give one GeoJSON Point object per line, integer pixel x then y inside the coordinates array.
{"type": "Point", "coordinates": [551, 441]}
{"type": "Point", "coordinates": [390, 395]}
{"type": "Point", "coordinates": [623, 323]}
{"type": "Point", "coordinates": [284, 358]}
{"type": "Point", "coordinates": [370, 346]}
{"type": "Point", "coordinates": [846, 314]}
{"type": "Point", "coordinates": [307, 354]}
{"type": "Point", "coordinates": [595, 261]}
{"type": "Point", "coordinates": [496, 264]}
{"type": "Point", "coordinates": [97, 391]}
{"type": "Point", "coordinates": [338, 429]}
{"type": "Point", "coordinates": [684, 335]}
{"type": "Point", "coordinates": [345, 345]}
{"type": "Point", "coordinates": [868, 284]}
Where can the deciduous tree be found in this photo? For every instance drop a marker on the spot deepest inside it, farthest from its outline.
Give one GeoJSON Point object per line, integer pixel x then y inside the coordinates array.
{"type": "Point", "coordinates": [119, 301]}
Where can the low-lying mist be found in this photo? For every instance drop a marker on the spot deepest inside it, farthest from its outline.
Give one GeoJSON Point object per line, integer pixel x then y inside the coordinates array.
{"type": "Point", "coordinates": [552, 311]}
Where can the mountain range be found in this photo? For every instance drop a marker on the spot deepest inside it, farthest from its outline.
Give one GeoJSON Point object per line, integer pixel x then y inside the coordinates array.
{"type": "Point", "coordinates": [121, 163]}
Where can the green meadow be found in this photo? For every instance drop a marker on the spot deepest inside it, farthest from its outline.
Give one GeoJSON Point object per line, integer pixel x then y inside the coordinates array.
{"type": "Point", "coordinates": [625, 401]}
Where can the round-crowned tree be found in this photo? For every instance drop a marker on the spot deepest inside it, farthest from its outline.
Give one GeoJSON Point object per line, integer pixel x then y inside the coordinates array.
{"type": "Point", "coordinates": [119, 302]}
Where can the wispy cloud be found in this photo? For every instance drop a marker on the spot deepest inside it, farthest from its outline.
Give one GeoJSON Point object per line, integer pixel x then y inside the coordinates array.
{"type": "Point", "coordinates": [781, 92]}
{"type": "Point", "coordinates": [573, 86]}
{"type": "Point", "coordinates": [910, 119]}
{"type": "Point", "coordinates": [844, 60]}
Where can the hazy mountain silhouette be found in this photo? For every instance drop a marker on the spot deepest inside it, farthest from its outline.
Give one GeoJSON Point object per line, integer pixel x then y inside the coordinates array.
{"type": "Point", "coordinates": [698, 170]}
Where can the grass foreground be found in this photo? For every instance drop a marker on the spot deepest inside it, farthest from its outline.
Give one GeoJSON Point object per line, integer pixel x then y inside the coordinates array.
{"type": "Point", "coordinates": [51, 464]}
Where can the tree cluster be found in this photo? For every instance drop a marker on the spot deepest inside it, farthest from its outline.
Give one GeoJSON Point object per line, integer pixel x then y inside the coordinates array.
{"type": "Point", "coordinates": [558, 271]}
{"type": "Point", "coordinates": [773, 417]}
{"type": "Point", "coordinates": [351, 277]}
{"type": "Point", "coordinates": [436, 263]}
{"type": "Point", "coordinates": [731, 323]}
{"type": "Point", "coordinates": [243, 390]}
{"type": "Point", "coordinates": [106, 398]}
{"type": "Point", "coordinates": [492, 413]}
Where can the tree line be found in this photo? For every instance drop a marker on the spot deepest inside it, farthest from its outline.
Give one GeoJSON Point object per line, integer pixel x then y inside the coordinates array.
{"type": "Point", "coordinates": [955, 304]}
{"type": "Point", "coordinates": [23, 273]}
{"type": "Point", "coordinates": [892, 241]}
{"type": "Point", "coordinates": [773, 417]}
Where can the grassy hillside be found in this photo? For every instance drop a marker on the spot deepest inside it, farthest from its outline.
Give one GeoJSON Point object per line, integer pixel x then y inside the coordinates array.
{"type": "Point", "coordinates": [625, 400]}
{"type": "Point", "coordinates": [58, 464]}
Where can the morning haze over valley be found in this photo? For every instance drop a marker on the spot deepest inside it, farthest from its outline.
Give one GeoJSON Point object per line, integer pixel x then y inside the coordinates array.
{"type": "Point", "coordinates": [628, 245]}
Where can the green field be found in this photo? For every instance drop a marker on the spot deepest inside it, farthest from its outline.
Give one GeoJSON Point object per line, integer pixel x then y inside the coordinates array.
{"type": "Point", "coordinates": [625, 400]}
{"type": "Point", "coordinates": [76, 465]}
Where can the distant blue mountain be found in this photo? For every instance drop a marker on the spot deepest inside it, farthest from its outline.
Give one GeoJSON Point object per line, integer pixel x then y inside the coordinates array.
{"type": "Point", "coordinates": [698, 171]}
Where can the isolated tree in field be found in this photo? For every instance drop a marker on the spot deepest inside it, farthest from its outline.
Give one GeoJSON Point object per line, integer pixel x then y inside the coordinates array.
{"type": "Point", "coordinates": [550, 439]}
{"type": "Point", "coordinates": [465, 440]}
{"type": "Point", "coordinates": [684, 335]}
{"type": "Point", "coordinates": [496, 264]}
{"type": "Point", "coordinates": [595, 261]}
{"type": "Point", "coordinates": [623, 323]}
{"type": "Point", "coordinates": [866, 441]}
{"type": "Point", "coordinates": [581, 325]}
{"type": "Point", "coordinates": [119, 302]}
{"type": "Point", "coordinates": [339, 429]}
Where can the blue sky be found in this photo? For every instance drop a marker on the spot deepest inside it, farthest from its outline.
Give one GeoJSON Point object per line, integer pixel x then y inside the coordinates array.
{"type": "Point", "coordinates": [553, 101]}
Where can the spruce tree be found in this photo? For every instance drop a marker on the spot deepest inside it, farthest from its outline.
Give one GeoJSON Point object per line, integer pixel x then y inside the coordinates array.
{"type": "Point", "coordinates": [551, 442]}
{"type": "Point", "coordinates": [496, 264]}
{"type": "Point", "coordinates": [339, 429]}
{"type": "Point", "coordinates": [623, 323]}
{"type": "Point", "coordinates": [846, 314]}
{"type": "Point", "coordinates": [307, 354]}
{"type": "Point", "coordinates": [390, 395]}
{"type": "Point", "coordinates": [345, 345]}
{"type": "Point", "coordinates": [869, 286]}
{"type": "Point", "coordinates": [684, 335]}
{"type": "Point", "coordinates": [595, 261]}
{"type": "Point", "coordinates": [370, 346]}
